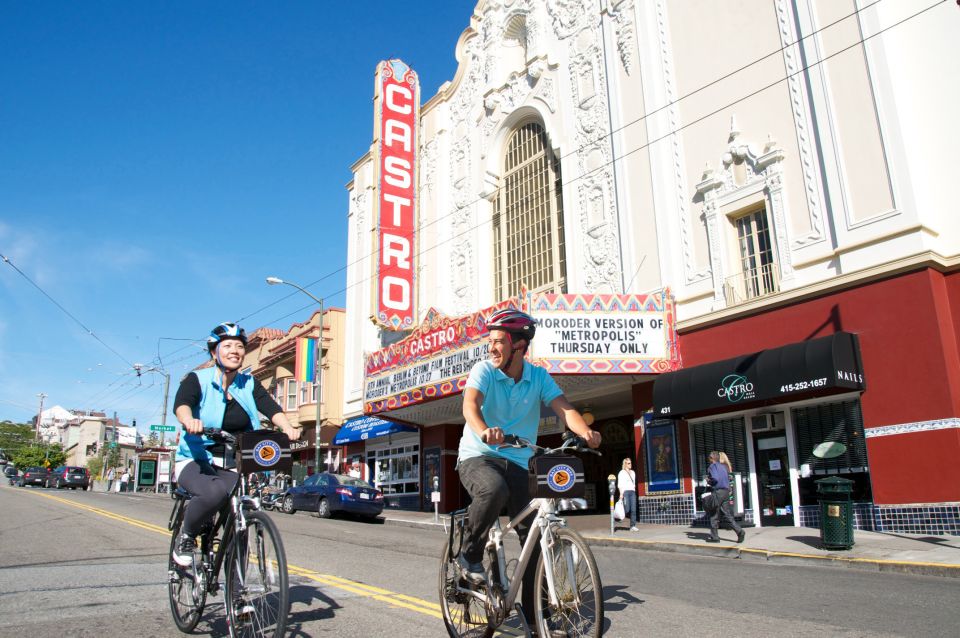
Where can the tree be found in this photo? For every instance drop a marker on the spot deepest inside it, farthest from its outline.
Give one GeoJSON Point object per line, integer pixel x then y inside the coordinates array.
{"type": "Point", "coordinates": [40, 454]}
{"type": "Point", "coordinates": [153, 440]}
{"type": "Point", "coordinates": [113, 456]}
{"type": "Point", "coordinates": [95, 466]}
{"type": "Point", "coordinates": [14, 437]}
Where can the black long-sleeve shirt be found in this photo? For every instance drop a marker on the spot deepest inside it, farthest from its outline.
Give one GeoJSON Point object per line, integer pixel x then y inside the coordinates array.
{"type": "Point", "coordinates": [235, 418]}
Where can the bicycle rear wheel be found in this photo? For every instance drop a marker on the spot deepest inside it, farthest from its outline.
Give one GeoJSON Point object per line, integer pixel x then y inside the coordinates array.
{"type": "Point", "coordinates": [257, 593]}
{"type": "Point", "coordinates": [187, 599]}
{"type": "Point", "coordinates": [579, 607]}
{"type": "Point", "coordinates": [463, 614]}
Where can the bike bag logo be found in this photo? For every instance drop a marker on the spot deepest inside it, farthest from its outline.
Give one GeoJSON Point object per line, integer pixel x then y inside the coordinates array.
{"type": "Point", "coordinates": [561, 478]}
{"type": "Point", "coordinates": [735, 388]}
{"type": "Point", "coordinates": [266, 453]}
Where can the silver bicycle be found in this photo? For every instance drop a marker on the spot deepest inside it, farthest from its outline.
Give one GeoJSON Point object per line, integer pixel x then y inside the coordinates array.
{"type": "Point", "coordinates": [568, 598]}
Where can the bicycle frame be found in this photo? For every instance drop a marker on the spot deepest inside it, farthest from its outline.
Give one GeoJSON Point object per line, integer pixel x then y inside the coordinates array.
{"type": "Point", "coordinates": [540, 532]}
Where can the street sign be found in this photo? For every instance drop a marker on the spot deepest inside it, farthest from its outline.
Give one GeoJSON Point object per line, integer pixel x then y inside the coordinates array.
{"type": "Point", "coordinates": [163, 428]}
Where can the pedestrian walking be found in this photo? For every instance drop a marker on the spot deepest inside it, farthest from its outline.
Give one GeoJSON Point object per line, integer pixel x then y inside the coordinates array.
{"type": "Point", "coordinates": [718, 478]}
{"type": "Point", "coordinates": [111, 475]}
{"type": "Point", "coordinates": [125, 480]}
{"type": "Point", "coordinates": [627, 484]}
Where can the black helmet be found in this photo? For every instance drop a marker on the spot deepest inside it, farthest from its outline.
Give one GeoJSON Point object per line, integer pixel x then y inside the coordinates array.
{"type": "Point", "coordinates": [226, 330]}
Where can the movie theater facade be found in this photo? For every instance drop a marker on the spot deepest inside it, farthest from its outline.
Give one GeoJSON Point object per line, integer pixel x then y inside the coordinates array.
{"type": "Point", "coordinates": [711, 274]}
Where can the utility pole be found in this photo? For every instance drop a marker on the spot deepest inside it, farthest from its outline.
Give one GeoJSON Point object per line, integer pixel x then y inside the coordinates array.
{"type": "Point", "coordinates": [40, 414]}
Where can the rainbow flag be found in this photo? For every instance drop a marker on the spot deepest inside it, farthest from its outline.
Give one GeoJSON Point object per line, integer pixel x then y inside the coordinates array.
{"type": "Point", "coordinates": [306, 360]}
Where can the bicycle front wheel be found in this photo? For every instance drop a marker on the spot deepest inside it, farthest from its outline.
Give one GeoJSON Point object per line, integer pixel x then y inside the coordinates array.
{"type": "Point", "coordinates": [578, 608]}
{"type": "Point", "coordinates": [463, 614]}
{"type": "Point", "coordinates": [187, 597]}
{"type": "Point", "coordinates": [257, 584]}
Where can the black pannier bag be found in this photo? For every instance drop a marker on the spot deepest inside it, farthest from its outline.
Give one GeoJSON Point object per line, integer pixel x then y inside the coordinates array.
{"type": "Point", "coordinates": [556, 477]}
{"type": "Point", "coordinates": [264, 451]}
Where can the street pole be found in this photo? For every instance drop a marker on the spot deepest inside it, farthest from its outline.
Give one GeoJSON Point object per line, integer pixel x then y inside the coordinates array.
{"type": "Point", "coordinates": [166, 396]}
{"type": "Point", "coordinates": [40, 414]}
{"type": "Point", "coordinates": [318, 370]}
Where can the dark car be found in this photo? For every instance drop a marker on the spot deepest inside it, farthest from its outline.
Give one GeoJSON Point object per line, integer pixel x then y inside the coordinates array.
{"type": "Point", "coordinates": [71, 476]}
{"type": "Point", "coordinates": [328, 493]}
{"type": "Point", "coordinates": [11, 473]}
{"type": "Point", "coordinates": [36, 476]}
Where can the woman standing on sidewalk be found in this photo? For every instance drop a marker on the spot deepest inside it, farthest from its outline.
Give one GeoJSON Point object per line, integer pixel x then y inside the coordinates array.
{"type": "Point", "coordinates": [627, 484]}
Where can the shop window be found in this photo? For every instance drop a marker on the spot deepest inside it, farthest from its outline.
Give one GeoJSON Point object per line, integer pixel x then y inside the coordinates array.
{"type": "Point", "coordinates": [528, 237]}
{"type": "Point", "coordinates": [397, 469]}
{"type": "Point", "coordinates": [758, 275]}
{"type": "Point", "coordinates": [830, 441]}
{"type": "Point", "coordinates": [722, 435]}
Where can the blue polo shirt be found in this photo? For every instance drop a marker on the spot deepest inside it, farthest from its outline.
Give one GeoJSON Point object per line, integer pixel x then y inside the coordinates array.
{"type": "Point", "coordinates": [514, 407]}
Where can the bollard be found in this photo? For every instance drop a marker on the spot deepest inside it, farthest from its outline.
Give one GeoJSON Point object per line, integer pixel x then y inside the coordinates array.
{"type": "Point", "coordinates": [436, 499]}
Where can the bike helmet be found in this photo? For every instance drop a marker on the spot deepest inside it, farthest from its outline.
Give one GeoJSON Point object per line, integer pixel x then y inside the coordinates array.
{"type": "Point", "coordinates": [518, 324]}
{"type": "Point", "coordinates": [226, 330]}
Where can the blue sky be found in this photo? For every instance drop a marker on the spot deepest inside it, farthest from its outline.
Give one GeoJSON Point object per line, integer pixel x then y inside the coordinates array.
{"type": "Point", "coordinates": [159, 160]}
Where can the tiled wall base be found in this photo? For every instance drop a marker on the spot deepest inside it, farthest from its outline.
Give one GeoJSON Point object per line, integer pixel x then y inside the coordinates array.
{"type": "Point", "coordinates": [676, 509]}
{"type": "Point", "coordinates": [938, 520]}
{"type": "Point", "coordinates": [908, 519]}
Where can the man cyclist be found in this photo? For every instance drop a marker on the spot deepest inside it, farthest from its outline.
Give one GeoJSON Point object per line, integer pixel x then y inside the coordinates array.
{"type": "Point", "coordinates": [503, 396]}
{"type": "Point", "coordinates": [219, 397]}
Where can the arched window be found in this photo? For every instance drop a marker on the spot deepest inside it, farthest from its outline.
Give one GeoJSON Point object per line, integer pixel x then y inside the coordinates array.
{"type": "Point", "coordinates": [528, 217]}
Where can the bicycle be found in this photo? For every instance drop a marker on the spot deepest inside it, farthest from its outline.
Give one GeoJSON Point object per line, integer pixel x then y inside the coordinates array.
{"type": "Point", "coordinates": [244, 541]}
{"type": "Point", "coordinates": [568, 595]}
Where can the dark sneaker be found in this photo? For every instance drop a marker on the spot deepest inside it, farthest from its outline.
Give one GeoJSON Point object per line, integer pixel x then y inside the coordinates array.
{"type": "Point", "coordinates": [713, 539]}
{"type": "Point", "coordinates": [183, 550]}
{"type": "Point", "coordinates": [741, 535]}
{"type": "Point", "coordinates": [473, 572]}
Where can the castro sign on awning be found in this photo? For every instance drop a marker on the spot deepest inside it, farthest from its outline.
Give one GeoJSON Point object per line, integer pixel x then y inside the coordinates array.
{"type": "Point", "coordinates": [605, 334]}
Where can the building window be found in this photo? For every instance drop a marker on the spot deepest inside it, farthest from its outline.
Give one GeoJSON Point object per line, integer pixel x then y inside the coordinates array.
{"type": "Point", "coordinates": [721, 435]}
{"type": "Point", "coordinates": [291, 395]}
{"type": "Point", "coordinates": [528, 217]}
{"type": "Point", "coordinates": [397, 469]}
{"type": "Point", "coordinates": [304, 390]}
{"type": "Point", "coordinates": [830, 441]}
{"type": "Point", "coordinates": [758, 275]}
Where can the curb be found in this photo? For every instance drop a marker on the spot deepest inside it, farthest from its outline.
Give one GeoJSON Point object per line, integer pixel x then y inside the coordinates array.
{"type": "Point", "coordinates": [785, 558]}
{"type": "Point", "coordinates": [747, 553]}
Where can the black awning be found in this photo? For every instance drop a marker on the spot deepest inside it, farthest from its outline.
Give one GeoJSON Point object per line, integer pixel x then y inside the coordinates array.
{"type": "Point", "coordinates": [827, 365]}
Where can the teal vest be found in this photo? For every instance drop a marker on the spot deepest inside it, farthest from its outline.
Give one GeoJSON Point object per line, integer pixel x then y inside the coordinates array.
{"type": "Point", "coordinates": [213, 405]}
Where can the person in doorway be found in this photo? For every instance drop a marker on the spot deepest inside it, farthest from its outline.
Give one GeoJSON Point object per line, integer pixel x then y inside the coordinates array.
{"type": "Point", "coordinates": [219, 397]}
{"type": "Point", "coordinates": [354, 470]}
{"type": "Point", "coordinates": [125, 479]}
{"type": "Point", "coordinates": [627, 484]}
{"type": "Point", "coordinates": [719, 479]}
{"type": "Point", "coordinates": [111, 475]}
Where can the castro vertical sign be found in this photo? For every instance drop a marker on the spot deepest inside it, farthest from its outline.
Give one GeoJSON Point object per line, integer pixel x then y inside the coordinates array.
{"type": "Point", "coordinates": [397, 115]}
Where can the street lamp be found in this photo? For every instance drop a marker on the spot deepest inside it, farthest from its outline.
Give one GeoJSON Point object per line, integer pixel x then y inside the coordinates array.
{"type": "Point", "coordinates": [40, 414]}
{"type": "Point", "coordinates": [318, 369]}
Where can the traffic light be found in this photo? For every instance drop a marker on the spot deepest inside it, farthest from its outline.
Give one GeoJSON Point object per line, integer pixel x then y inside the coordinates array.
{"type": "Point", "coordinates": [134, 422]}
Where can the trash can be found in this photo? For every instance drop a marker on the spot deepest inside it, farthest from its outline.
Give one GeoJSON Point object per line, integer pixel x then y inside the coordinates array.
{"type": "Point", "coordinates": [836, 512]}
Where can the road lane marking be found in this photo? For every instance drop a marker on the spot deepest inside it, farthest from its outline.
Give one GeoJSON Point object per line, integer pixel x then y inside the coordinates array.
{"type": "Point", "coordinates": [395, 599]}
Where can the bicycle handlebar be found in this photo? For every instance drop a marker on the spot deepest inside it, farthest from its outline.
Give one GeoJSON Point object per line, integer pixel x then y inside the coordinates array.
{"type": "Point", "coordinates": [571, 443]}
{"type": "Point", "coordinates": [220, 436]}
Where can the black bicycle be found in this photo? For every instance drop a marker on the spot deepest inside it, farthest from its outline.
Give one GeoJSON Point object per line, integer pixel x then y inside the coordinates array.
{"type": "Point", "coordinates": [243, 541]}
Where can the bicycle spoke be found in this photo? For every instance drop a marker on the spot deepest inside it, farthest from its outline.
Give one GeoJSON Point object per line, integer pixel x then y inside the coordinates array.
{"type": "Point", "coordinates": [256, 591]}
{"type": "Point", "coordinates": [578, 609]}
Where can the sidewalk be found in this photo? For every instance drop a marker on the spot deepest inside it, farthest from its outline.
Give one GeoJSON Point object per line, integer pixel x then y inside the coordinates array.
{"type": "Point", "coordinates": [876, 551]}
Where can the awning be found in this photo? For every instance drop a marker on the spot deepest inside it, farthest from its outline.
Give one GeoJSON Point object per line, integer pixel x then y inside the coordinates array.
{"type": "Point", "coordinates": [827, 365]}
{"type": "Point", "coordinates": [367, 427]}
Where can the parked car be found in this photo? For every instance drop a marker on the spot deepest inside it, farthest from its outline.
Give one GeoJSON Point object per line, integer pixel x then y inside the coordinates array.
{"type": "Point", "coordinates": [12, 474]}
{"type": "Point", "coordinates": [35, 476]}
{"type": "Point", "coordinates": [71, 476]}
{"type": "Point", "coordinates": [327, 493]}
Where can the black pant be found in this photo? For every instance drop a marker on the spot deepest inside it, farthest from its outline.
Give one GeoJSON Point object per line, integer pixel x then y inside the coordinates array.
{"type": "Point", "coordinates": [722, 512]}
{"type": "Point", "coordinates": [492, 484]}
{"type": "Point", "coordinates": [210, 488]}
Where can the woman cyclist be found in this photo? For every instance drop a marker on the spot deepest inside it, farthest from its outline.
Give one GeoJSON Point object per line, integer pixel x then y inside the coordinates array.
{"type": "Point", "coordinates": [219, 397]}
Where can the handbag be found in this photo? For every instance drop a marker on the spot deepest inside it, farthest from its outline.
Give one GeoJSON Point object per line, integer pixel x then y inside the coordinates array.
{"type": "Point", "coordinates": [618, 513]}
{"type": "Point", "coordinates": [709, 502]}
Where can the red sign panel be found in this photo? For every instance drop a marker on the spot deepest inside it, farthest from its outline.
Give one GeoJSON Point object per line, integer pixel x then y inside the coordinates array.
{"type": "Point", "coordinates": [398, 113]}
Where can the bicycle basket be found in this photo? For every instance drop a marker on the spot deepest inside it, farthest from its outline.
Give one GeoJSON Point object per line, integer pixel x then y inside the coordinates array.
{"type": "Point", "coordinates": [556, 477]}
{"type": "Point", "coordinates": [263, 451]}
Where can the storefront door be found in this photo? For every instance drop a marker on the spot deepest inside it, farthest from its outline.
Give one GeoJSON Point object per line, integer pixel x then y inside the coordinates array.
{"type": "Point", "coordinates": [773, 479]}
